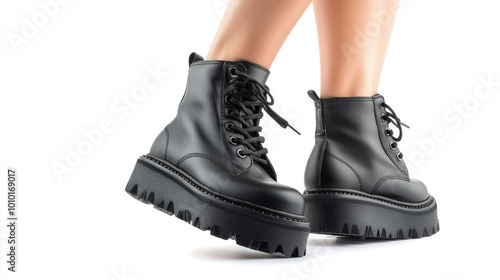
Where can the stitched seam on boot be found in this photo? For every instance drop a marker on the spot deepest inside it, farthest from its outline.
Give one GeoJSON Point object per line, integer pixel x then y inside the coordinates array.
{"type": "Point", "coordinates": [377, 199]}
{"type": "Point", "coordinates": [320, 161]}
{"type": "Point", "coordinates": [350, 167]}
{"type": "Point", "coordinates": [166, 145]}
{"type": "Point", "coordinates": [323, 145]}
{"type": "Point", "coordinates": [255, 65]}
{"type": "Point", "coordinates": [221, 116]}
{"type": "Point", "coordinates": [204, 62]}
{"type": "Point", "coordinates": [221, 198]}
{"type": "Point", "coordinates": [200, 155]}
{"type": "Point", "coordinates": [236, 168]}
{"type": "Point", "coordinates": [380, 139]}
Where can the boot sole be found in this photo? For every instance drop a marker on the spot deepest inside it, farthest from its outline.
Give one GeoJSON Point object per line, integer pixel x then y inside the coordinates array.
{"type": "Point", "coordinates": [348, 213]}
{"type": "Point", "coordinates": [172, 191]}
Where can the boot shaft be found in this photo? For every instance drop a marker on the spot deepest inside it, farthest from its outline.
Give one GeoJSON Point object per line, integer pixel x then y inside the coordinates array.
{"type": "Point", "coordinates": [201, 126]}
{"type": "Point", "coordinates": [352, 143]}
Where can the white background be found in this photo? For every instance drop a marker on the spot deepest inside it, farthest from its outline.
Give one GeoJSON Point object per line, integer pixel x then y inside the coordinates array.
{"type": "Point", "coordinates": [64, 79]}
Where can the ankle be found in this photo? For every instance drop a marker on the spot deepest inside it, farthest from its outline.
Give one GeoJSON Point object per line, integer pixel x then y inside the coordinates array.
{"type": "Point", "coordinates": [356, 81]}
{"type": "Point", "coordinates": [348, 91]}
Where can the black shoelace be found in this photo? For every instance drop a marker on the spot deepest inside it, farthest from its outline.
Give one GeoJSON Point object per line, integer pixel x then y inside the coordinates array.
{"type": "Point", "coordinates": [390, 116]}
{"type": "Point", "coordinates": [247, 97]}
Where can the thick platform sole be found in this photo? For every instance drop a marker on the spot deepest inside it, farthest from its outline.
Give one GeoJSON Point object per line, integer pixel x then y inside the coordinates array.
{"type": "Point", "coordinates": [155, 181]}
{"type": "Point", "coordinates": [358, 214]}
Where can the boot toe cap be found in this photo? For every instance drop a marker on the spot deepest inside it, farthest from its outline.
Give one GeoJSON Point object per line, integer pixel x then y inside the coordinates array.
{"type": "Point", "coordinates": [251, 187]}
{"type": "Point", "coordinates": [271, 195]}
{"type": "Point", "coordinates": [412, 191]}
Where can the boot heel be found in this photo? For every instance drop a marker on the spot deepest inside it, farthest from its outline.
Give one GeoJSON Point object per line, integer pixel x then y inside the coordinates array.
{"type": "Point", "coordinates": [361, 215]}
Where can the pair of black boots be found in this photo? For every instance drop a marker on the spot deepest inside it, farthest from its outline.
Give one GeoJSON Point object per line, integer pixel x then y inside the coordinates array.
{"type": "Point", "coordinates": [209, 168]}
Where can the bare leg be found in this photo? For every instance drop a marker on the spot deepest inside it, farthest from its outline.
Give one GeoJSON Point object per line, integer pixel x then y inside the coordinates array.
{"type": "Point", "coordinates": [353, 38]}
{"type": "Point", "coordinates": [254, 30]}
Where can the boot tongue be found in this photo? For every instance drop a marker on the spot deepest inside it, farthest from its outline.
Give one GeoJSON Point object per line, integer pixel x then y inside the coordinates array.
{"type": "Point", "coordinates": [259, 74]}
{"type": "Point", "coordinates": [255, 71]}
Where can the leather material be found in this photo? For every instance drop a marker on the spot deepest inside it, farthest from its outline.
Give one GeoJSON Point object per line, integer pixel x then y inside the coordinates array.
{"type": "Point", "coordinates": [159, 147]}
{"type": "Point", "coordinates": [197, 140]}
{"type": "Point", "coordinates": [353, 152]}
{"type": "Point", "coordinates": [312, 178]}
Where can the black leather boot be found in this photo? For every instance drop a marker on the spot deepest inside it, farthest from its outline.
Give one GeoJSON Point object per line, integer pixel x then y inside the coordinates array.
{"type": "Point", "coordinates": [209, 168]}
{"type": "Point", "coordinates": [357, 183]}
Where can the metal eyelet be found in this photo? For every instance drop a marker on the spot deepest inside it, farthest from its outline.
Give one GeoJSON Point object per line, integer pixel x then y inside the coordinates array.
{"type": "Point", "coordinates": [383, 117]}
{"type": "Point", "coordinates": [229, 111]}
{"type": "Point", "coordinates": [232, 70]}
{"type": "Point", "coordinates": [380, 104]}
{"type": "Point", "coordinates": [228, 98]}
{"type": "Point", "coordinates": [238, 152]}
{"type": "Point", "coordinates": [388, 131]}
{"type": "Point", "coordinates": [400, 156]}
{"type": "Point", "coordinates": [229, 126]}
{"type": "Point", "coordinates": [231, 140]}
{"type": "Point", "coordinates": [393, 145]}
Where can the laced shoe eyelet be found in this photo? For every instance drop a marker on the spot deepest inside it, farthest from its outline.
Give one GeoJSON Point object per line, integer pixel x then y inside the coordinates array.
{"type": "Point", "coordinates": [232, 70]}
{"type": "Point", "coordinates": [238, 152]}
{"type": "Point", "coordinates": [388, 131]}
{"type": "Point", "coordinates": [400, 156]}
{"type": "Point", "coordinates": [383, 117]}
{"type": "Point", "coordinates": [228, 112]}
{"type": "Point", "coordinates": [393, 145]}
{"type": "Point", "coordinates": [231, 140]}
{"type": "Point", "coordinates": [228, 98]}
{"type": "Point", "coordinates": [229, 126]}
{"type": "Point", "coordinates": [380, 104]}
